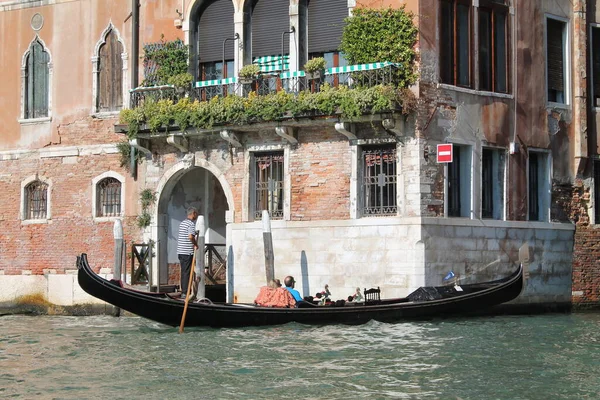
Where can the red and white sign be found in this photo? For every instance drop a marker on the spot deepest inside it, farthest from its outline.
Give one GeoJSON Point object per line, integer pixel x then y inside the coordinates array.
{"type": "Point", "coordinates": [444, 153]}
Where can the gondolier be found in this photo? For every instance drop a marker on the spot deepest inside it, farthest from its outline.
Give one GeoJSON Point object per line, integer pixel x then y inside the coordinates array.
{"type": "Point", "coordinates": [186, 245]}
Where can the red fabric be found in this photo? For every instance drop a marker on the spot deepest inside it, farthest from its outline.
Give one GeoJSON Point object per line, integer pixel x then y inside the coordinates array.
{"type": "Point", "coordinates": [274, 297]}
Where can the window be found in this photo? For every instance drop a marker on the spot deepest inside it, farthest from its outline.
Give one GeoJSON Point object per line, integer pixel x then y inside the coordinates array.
{"type": "Point", "coordinates": [37, 81]}
{"type": "Point", "coordinates": [269, 184]}
{"type": "Point", "coordinates": [36, 200]}
{"type": "Point", "coordinates": [493, 45]}
{"type": "Point", "coordinates": [556, 60]}
{"type": "Point", "coordinates": [597, 192]}
{"type": "Point", "coordinates": [455, 42]}
{"type": "Point", "coordinates": [539, 186]}
{"type": "Point", "coordinates": [110, 74]}
{"type": "Point", "coordinates": [108, 197]}
{"type": "Point", "coordinates": [379, 180]}
{"type": "Point", "coordinates": [492, 183]}
{"type": "Point", "coordinates": [459, 182]}
{"type": "Point", "coordinates": [595, 56]}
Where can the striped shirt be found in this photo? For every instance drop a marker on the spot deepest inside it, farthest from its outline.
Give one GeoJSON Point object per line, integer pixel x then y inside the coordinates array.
{"type": "Point", "coordinates": [184, 244]}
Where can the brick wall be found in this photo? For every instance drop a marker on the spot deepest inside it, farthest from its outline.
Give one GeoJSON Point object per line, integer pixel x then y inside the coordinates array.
{"type": "Point", "coordinates": [71, 230]}
{"type": "Point", "coordinates": [586, 270]}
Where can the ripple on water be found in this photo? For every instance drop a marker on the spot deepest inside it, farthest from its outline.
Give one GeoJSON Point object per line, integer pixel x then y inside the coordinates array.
{"type": "Point", "coordinates": [550, 356]}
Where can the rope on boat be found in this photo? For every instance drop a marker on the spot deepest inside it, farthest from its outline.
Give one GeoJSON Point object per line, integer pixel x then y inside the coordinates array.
{"type": "Point", "coordinates": [204, 300]}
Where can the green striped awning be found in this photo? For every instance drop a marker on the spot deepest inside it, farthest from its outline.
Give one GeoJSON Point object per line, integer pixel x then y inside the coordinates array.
{"type": "Point", "coordinates": [359, 67]}
{"type": "Point", "coordinates": [292, 74]}
{"type": "Point", "coordinates": [273, 63]}
{"type": "Point", "coordinates": [216, 82]}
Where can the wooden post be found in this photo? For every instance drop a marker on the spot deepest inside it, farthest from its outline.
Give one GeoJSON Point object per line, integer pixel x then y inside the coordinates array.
{"type": "Point", "coordinates": [118, 261]}
{"type": "Point", "coordinates": [268, 242]}
{"type": "Point", "coordinates": [199, 267]}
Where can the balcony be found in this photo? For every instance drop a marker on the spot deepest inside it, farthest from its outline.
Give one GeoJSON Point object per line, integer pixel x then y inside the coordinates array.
{"type": "Point", "coordinates": [341, 94]}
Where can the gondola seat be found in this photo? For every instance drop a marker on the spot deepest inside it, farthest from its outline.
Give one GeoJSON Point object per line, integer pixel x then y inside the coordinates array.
{"type": "Point", "coordinates": [372, 295]}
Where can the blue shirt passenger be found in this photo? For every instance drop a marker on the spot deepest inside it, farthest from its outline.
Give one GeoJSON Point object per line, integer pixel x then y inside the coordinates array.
{"type": "Point", "coordinates": [289, 285]}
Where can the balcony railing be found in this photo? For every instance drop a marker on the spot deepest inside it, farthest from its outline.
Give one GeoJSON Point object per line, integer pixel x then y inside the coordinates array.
{"type": "Point", "coordinates": [363, 75]}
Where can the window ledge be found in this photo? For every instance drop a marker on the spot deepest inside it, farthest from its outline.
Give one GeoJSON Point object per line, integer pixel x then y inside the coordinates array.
{"type": "Point", "coordinates": [107, 219]}
{"type": "Point", "coordinates": [105, 114]}
{"type": "Point", "coordinates": [560, 106]}
{"type": "Point", "coordinates": [34, 121]}
{"type": "Point", "coordinates": [475, 92]}
{"type": "Point", "coordinates": [34, 221]}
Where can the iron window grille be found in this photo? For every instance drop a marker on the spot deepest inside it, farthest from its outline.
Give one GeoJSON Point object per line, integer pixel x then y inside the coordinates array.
{"type": "Point", "coordinates": [108, 198]}
{"type": "Point", "coordinates": [269, 181]}
{"type": "Point", "coordinates": [36, 200]}
{"type": "Point", "coordinates": [379, 181]}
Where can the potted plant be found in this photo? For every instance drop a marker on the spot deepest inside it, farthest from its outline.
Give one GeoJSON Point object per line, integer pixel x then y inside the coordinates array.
{"type": "Point", "coordinates": [315, 68]}
{"type": "Point", "coordinates": [249, 73]}
{"type": "Point", "coordinates": [182, 82]}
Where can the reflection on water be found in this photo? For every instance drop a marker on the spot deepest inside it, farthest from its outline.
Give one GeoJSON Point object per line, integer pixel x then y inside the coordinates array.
{"type": "Point", "coordinates": [537, 357]}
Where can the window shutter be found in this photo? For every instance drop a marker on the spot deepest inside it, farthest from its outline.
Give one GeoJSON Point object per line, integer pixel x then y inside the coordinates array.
{"type": "Point", "coordinates": [270, 18]}
{"type": "Point", "coordinates": [555, 57]}
{"type": "Point", "coordinates": [37, 82]}
{"type": "Point", "coordinates": [325, 24]}
{"type": "Point", "coordinates": [110, 79]}
{"type": "Point", "coordinates": [216, 25]}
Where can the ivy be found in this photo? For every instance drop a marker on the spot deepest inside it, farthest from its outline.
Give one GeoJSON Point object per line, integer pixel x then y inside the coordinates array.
{"type": "Point", "coordinates": [147, 198]}
{"type": "Point", "coordinates": [375, 35]}
{"type": "Point", "coordinates": [165, 61]}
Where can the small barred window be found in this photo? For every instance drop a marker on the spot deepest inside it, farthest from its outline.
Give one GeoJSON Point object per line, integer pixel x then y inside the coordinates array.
{"type": "Point", "coordinates": [36, 195]}
{"type": "Point", "coordinates": [268, 176]}
{"type": "Point", "coordinates": [380, 178]}
{"type": "Point", "coordinates": [108, 198]}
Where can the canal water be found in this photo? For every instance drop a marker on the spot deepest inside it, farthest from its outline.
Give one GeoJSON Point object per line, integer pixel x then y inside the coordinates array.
{"type": "Point", "coordinates": [552, 356]}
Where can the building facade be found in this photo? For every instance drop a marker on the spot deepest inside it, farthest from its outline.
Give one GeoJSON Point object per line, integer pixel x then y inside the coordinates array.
{"type": "Point", "coordinates": [353, 202]}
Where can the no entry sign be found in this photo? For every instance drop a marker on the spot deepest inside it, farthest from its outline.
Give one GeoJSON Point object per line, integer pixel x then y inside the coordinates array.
{"type": "Point", "coordinates": [444, 153]}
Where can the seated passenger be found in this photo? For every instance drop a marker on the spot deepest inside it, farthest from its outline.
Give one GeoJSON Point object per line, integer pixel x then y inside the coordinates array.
{"type": "Point", "coordinates": [274, 297]}
{"type": "Point", "coordinates": [289, 285]}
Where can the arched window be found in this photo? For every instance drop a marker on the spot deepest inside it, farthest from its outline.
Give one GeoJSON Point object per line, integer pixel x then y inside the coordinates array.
{"type": "Point", "coordinates": [36, 200]}
{"type": "Point", "coordinates": [36, 79]}
{"type": "Point", "coordinates": [110, 74]}
{"type": "Point", "coordinates": [108, 198]}
{"type": "Point", "coordinates": [215, 24]}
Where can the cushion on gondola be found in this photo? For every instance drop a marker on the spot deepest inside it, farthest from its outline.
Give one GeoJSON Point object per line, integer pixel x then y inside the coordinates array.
{"type": "Point", "coordinates": [274, 297]}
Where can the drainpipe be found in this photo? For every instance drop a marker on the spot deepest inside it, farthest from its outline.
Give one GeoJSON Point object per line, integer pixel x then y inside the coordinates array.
{"type": "Point", "coordinates": [135, 51]}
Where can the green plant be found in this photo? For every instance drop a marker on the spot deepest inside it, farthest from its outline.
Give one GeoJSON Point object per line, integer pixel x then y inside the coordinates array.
{"type": "Point", "coordinates": [143, 220]}
{"type": "Point", "coordinates": [124, 149]}
{"type": "Point", "coordinates": [349, 103]}
{"type": "Point", "coordinates": [249, 71]}
{"type": "Point", "coordinates": [315, 65]}
{"type": "Point", "coordinates": [164, 60]}
{"type": "Point", "coordinates": [181, 81]}
{"type": "Point", "coordinates": [147, 198]}
{"type": "Point", "coordinates": [373, 35]}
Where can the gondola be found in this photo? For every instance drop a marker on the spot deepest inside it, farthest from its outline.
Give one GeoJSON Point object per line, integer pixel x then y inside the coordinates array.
{"type": "Point", "coordinates": [425, 302]}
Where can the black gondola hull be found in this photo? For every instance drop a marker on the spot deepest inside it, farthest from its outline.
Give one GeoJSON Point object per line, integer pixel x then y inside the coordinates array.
{"type": "Point", "coordinates": [159, 307]}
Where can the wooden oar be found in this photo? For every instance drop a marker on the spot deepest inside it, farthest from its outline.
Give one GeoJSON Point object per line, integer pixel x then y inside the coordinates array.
{"type": "Point", "coordinates": [199, 227]}
{"type": "Point", "coordinates": [187, 295]}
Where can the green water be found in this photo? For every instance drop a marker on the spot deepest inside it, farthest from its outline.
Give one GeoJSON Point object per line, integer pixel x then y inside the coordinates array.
{"type": "Point", "coordinates": [554, 356]}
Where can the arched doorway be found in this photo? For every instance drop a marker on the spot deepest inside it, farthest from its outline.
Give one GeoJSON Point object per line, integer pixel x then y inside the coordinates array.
{"type": "Point", "coordinates": [191, 187]}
